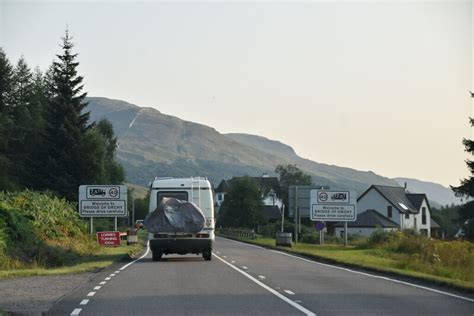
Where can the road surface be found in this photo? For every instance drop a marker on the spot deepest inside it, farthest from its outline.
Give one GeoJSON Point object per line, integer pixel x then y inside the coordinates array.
{"type": "Point", "coordinates": [244, 279]}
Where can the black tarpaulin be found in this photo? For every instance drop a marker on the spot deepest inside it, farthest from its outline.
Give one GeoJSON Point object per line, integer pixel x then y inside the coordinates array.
{"type": "Point", "coordinates": [176, 216]}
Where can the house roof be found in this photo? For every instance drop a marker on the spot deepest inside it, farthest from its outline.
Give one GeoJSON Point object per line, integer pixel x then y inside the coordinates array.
{"type": "Point", "coordinates": [433, 224]}
{"type": "Point", "coordinates": [222, 187]}
{"type": "Point", "coordinates": [416, 200]}
{"type": "Point", "coordinates": [396, 196]}
{"type": "Point", "coordinates": [370, 218]}
{"type": "Point", "coordinates": [265, 183]}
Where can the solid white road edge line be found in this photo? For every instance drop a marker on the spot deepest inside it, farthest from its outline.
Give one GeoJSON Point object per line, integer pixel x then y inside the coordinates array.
{"type": "Point", "coordinates": [143, 256]}
{"type": "Point", "coordinates": [377, 276]}
{"type": "Point", "coordinates": [280, 296]}
{"type": "Point", "coordinates": [76, 311]}
{"type": "Point", "coordinates": [358, 272]}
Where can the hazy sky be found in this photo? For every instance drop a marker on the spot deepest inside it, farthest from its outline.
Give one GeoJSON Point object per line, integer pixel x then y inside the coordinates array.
{"type": "Point", "coordinates": [379, 86]}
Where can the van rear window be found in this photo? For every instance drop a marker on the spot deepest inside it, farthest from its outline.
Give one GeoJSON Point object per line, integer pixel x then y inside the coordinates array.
{"type": "Point", "coordinates": [180, 195]}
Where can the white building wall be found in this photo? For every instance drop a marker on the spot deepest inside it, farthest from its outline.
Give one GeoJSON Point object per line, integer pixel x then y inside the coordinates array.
{"type": "Point", "coordinates": [428, 218]}
{"type": "Point", "coordinates": [373, 200]}
{"type": "Point", "coordinates": [410, 222]}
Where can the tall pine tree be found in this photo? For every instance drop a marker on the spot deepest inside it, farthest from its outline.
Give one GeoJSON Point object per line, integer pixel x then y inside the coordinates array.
{"type": "Point", "coordinates": [466, 189]}
{"type": "Point", "coordinates": [66, 125]}
{"type": "Point", "coordinates": [6, 81]}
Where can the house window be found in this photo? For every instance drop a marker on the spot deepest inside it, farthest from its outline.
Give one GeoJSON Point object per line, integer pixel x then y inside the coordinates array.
{"type": "Point", "coordinates": [389, 211]}
{"type": "Point", "coordinates": [407, 215]}
{"type": "Point", "coordinates": [423, 215]}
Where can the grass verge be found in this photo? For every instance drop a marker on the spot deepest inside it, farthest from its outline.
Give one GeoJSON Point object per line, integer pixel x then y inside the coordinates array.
{"type": "Point", "coordinates": [104, 258]}
{"type": "Point", "coordinates": [378, 260]}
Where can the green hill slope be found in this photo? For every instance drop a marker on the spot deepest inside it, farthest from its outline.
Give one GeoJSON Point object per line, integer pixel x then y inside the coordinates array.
{"type": "Point", "coordinates": [155, 144]}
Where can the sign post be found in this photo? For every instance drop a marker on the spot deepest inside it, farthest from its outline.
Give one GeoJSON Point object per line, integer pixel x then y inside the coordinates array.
{"type": "Point", "coordinates": [333, 206]}
{"type": "Point", "coordinates": [102, 201]}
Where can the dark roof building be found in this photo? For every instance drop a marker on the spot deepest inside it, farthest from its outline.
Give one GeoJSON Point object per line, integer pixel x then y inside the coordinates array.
{"type": "Point", "coordinates": [370, 219]}
{"type": "Point", "coordinates": [396, 196]}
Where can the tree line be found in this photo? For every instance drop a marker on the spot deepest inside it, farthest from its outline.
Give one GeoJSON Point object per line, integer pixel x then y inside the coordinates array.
{"type": "Point", "coordinates": [46, 139]}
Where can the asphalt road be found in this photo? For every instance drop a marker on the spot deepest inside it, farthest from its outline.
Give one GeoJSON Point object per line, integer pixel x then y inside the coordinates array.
{"type": "Point", "coordinates": [243, 279]}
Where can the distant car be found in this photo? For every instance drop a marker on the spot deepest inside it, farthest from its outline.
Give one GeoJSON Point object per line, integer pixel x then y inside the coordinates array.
{"type": "Point", "coordinates": [139, 223]}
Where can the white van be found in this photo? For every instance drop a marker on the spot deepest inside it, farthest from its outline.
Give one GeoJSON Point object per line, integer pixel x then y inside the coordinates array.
{"type": "Point", "coordinates": [197, 190]}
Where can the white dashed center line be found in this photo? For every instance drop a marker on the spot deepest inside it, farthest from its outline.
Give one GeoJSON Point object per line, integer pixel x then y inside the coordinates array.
{"type": "Point", "coordinates": [289, 292]}
{"type": "Point", "coordinates": [107, 278]}
{"type": "Point", "coordinates": [261, 277]}
{"type": "Point", "coordinates": [244, 267]}
{"type": "Point", "coordinates": [112, 275]}
{"type": "Point", "coordinates": [84, 302]}
{"type": "Point", "coordinates": [103, 283]}
{"type": "Point", "coordinates": [76, 311]}
{"type": "Point", "coordinates": [91, 294]}
{"type": "Point", "coordinates": [97, 288]}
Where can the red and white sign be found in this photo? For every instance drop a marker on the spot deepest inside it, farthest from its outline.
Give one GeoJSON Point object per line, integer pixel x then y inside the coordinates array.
{"type": "Point", "coordinates": [108, 238]}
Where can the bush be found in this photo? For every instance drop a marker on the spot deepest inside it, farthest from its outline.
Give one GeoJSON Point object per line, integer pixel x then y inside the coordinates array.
{"type": "Point", "coordinates": [378, 237]}
{"type": "Point", "coordinates": [39, 229]}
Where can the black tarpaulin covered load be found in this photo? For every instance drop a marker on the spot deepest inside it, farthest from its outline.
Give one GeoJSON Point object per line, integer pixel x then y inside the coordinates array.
{"type": "Point", "coordinates": [173, 215]}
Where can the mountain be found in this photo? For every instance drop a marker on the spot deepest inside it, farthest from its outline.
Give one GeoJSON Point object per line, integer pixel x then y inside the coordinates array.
{"type": "Point", "coordinates": [155, 144]}
{"type": "Point", "coordinates": [436, 193]}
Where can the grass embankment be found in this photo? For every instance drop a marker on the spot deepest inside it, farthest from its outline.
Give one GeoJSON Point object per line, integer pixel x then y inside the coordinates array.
{"type": "Point", "coordinates": [448, 263]}
{"type": "Point", "coordinates": [43, 235]}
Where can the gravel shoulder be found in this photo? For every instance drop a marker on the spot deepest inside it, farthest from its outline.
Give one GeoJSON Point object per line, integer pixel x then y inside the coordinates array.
{"type": "Point", "coordinates": [36, 295]}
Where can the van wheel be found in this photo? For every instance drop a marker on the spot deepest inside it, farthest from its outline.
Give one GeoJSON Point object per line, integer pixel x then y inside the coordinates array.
{"type": "Point", "coordinates": [156, 255]}
{"type": "Point", "coordinates": [207, 255]}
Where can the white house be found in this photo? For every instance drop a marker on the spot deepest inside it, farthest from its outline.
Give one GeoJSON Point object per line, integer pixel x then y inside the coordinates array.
{"type": "Point", "coordinates": [365, 224]}
{"type": "Point", "coordinates": [408, 211]}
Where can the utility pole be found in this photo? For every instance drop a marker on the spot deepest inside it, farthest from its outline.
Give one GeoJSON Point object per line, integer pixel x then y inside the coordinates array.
{"type": "Point", "coordinates": [133, 209]}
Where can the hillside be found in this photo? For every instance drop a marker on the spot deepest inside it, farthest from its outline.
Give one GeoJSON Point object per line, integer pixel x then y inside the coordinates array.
{"type": "Point", "coordinates": [155, 144]}
{"type": "Point", "coordinates": [437, 193]}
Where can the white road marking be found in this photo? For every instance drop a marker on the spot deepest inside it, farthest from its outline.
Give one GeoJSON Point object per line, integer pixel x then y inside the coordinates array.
{"type": "Point", "coordinates": [233, 261]}
{"type": "Point", "coordinates": [289, 292]}
{"type": "Point", "coordinates": [217, 252]}
{"type": "Point", "coordinates": [112, 275]}
{"type": "Point", "coordinates": [376, 276]}
{"type": "Point", "coordinates": [280, 296]}
{"type": "Point", "coordinates": [261, 277]}
{"type": "Point", "coordinates": [102, 283]}
{"type": "Point", "coordinates": [91, 294]}
{"type": "Point", "coordinates": [97, 288]}
{"type": "Point", "coordinates": [244, 267]}
{"type": "Point", "coordinates": [107, 278]}
{"type": "Point", "coordinates": [143, 256]}
{"type": "Point", "coordinates": [224, 256]}
{"type": "Point", "coordinates": [84, 302]}
{"type": "Point", "coordinates": [76, 311]}
{"type": "Point", "coordinates": [117, 272]}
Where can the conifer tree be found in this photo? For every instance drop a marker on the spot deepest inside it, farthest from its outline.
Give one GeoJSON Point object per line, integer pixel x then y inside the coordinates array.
{"type": "Point", "coordinates": [66, 125]}
{"type": "Point", "coordinates": [466, 189]}
{"type": "Point", "coordinates": [6, 73]}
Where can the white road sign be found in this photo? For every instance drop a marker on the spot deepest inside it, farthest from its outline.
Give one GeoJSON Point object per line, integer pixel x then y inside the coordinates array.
{"type": "Point", "coordinates": [102, 200]}
{"type": "Point", "coordinates": [333, 206]}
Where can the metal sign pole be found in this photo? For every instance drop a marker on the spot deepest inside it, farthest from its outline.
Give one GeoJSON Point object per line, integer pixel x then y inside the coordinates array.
{"type": "Point", "coordinates": [115, 220]}
{"type": "Point", "coordinates": [282, 216]}
{"type": "Point", "coordinates": [345, 234]}
{"type": "Point", "coordinates": [296, 215]}
{"type": "Point", "coordinates": [92, 226]}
